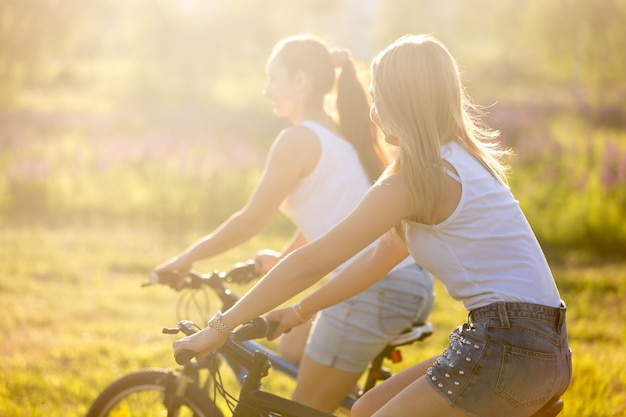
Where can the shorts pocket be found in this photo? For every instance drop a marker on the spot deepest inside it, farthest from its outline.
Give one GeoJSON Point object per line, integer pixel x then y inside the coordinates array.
{"type": "Point", "coordinates": [397, 310]}
{"type": "Point", "coordinates": [526, 377]}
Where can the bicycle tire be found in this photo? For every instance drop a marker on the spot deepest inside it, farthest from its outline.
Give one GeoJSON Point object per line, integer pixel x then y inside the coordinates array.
{"type": "Point", "coordinates": [145, 392]}
{"type": "Point", "coordinates": [194, 304]}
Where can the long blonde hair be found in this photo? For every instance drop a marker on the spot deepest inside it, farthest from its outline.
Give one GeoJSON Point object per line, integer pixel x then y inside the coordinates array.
{"type": "Point", "coordinates": [419, 98]}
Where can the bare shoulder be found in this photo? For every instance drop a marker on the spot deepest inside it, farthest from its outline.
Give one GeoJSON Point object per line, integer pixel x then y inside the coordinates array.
{"type": "Point", "coordinates": [384, 206]}
{"type": "Point", "coordinates": [298, 147]}
{"type": "Point", "coordinates": [393, 193]}
{"type": "Point", "coordinates": [393, 183]}
{"type": "Point", "coordinates": [300, 137]}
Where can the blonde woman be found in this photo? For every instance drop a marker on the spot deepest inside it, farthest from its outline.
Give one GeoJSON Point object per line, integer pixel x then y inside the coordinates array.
{"type": "Point", "coordinates": [447, 198]}
{"type": "Point", "coordinates": [317, 171]}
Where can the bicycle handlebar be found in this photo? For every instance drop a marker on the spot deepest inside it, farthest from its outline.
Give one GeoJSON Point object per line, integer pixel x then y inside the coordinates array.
{"type": "Point", "coordinates": [184, 356]}
{"type": "Point", "coordinates": [243, 272]}
{"type": "Point", "coordinates": [239, 273]}
{"type": "Point", "coordinates": [254, 329]}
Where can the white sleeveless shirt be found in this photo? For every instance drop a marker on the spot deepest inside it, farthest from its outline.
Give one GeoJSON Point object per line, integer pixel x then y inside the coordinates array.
{"type": "Point", "coordinates": [331, 190]}
{"type": "Point", "coordinates": [485, 252]}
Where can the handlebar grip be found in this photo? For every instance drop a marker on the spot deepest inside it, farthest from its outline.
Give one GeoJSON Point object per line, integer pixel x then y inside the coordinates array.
{"type": "Point", "coordinates": [184, 356]}
{"type": "Point", "coordinates": [255, 329]}
{"type": "Point", "coordinates": [243, 272]}
{"type": "Point", "coordinates": [163, 277]}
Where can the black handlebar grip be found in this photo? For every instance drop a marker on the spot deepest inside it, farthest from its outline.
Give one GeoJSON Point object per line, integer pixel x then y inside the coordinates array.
{"type": "Point", "coordinates": [184, 356]}
{"type": "Point", "coordinates": [243, 272]}
{"type": "Point", "coordinates": [271, 326]}
{"type": "Point", "coordinates": [164, 277]}
{"type": "Point", "coordinates": [255, 329]}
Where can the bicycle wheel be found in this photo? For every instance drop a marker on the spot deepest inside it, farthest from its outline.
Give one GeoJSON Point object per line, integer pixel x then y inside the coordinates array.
{"type": "Point", "coordinates": [149, 392]}
{"type": "Point", "coordinates": [194, 305]}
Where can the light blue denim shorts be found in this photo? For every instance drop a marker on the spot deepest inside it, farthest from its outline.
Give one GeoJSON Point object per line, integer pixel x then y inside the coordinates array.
{"type": "Point", "coordinates": [348, 335]}
{"type": "Point", "coordinates": [510, 359]}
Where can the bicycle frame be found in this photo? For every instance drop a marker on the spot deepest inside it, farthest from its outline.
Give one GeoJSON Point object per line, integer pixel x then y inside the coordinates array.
{"type": "Point", "coordinates": [176, 392]}
{"type": "Point", "coordinates": [278, 364]}
{"type": "Point", "coordinates": [254, 402]}
{"type": "Point", "coordinates": [180, 390]}
{"type": "Point", "coordinates": [245, 272]}
{"type": "Point", "coordinates": [238, 357]}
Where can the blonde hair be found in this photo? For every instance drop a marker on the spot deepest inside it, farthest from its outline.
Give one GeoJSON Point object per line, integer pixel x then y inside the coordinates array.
{"type": "Point", "coordinates": [419, 98]}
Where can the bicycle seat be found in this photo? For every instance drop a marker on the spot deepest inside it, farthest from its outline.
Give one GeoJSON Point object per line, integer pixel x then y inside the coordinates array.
{"type": "Point", "coordinates": [551, 409]}
{"type": "Point", "coordinates": [419, 331]}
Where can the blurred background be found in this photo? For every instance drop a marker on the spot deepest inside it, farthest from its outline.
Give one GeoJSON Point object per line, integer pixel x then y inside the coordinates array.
{"type": "Point", "coordinates": [143, 109]}
{"type": "Point", "coordinates": [128, 129]}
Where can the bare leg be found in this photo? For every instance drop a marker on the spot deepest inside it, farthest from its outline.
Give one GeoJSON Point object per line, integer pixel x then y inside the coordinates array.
{"type": "Point", "coordinates": [327, 395]}
{"type": "Point", "coordinates": [406, 394]}
{"type": "Point", "coordinates": [291, 345]}
{"type": "Point", "coordinates": [419, 399]}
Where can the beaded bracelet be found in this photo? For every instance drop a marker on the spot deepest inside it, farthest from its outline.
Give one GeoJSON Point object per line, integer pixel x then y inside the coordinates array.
{"type": "Point", "coordinates": [217, 323]}
{"type": "Point", "coordinates": [297, 309]}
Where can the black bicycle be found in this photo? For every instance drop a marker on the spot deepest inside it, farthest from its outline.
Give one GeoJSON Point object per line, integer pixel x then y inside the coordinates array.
{"type": "Point", "coordinates": [150, 388]}
{"type": "Point", "coordinates": [176, 393]}
{"type": "Point", "coordinates": [182, 392]}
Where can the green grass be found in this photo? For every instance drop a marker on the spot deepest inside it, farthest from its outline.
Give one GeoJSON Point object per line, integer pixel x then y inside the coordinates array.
{"type": "Point", "coordinates": [102, 177]}
{"type": "Point", "coordinates": [75, 318]}
{"type": "Point", "coordinates": [90, 202]}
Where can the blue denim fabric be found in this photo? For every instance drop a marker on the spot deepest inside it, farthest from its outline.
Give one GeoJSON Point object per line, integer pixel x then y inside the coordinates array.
{"type": "Point", "coordinates": [510, 359]}
{"type": "Point", "coordinates": [348, 335]}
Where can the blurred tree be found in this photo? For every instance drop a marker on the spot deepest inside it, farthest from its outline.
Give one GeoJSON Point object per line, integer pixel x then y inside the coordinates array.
{"type": "Point", "coordinates": [520, 42]}
{"type": "Point", "coordinates": [26, 31]}
{"type": "Point", "coordinates": [41, 43]}
{"type": "Point", "coordinates": [210, 54]}
{"type": "Point", "coordinates": [584, 41]}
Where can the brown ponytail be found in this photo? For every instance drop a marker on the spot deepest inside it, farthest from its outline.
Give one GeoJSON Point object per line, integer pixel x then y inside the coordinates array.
{"type": "Point", "coordinates": [310, 54]}
{"type": "Point", "coordinates": [354, 121]}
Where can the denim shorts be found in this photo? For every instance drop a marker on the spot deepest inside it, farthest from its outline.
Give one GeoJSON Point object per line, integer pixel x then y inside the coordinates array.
{"type": "Point", "coordinates": [510, 359]}
{"type": "Point", "coordinates": [348, 335]}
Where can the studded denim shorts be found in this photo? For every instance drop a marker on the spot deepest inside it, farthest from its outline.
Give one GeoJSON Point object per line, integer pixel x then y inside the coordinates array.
{"type": "Point", "coordinates": [510, 359]}
{"type": "Point", "coordinates": [348, 335]}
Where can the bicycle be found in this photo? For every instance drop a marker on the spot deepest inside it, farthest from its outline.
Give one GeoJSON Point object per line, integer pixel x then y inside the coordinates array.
{"type": "Point", "coordinates": [180, 396]}
{"type": "Point", "coordinates": [240, 273]}
{"type": "Point", "coordinates": [180, 393]}
{"type": "Point", "coordinates": [253, 401]}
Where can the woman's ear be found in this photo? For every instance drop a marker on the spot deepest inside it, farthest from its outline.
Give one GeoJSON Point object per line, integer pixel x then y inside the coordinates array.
{"type": "Point", "coordinates": [392, 140]}
{"type": "Point", "coordinates": [301, 80]}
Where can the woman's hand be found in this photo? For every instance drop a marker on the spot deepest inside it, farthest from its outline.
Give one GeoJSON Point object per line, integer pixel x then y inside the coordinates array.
{"type": "Point", "coordinates": [266, 259]}
{"type": "Point", "coordinates": [177, 265]}
{"type": "Point", "coordinates": [203, 342]}
{"type": "Point", "coordinates": [286, 319]}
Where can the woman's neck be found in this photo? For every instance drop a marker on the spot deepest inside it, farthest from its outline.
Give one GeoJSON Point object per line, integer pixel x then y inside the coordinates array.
{"type": "Point", "coordinates": [319, 116]}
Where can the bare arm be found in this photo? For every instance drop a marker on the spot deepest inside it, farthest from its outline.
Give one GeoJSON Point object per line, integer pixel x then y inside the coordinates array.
{"type": "Point", "coordinates": [380, 209]}
{"type": "Point", "coordinates": [383, 206]}
{"type": "Point", "coordinates": [363, 271]}
{"type": "Point", "coordinates": [292, 156]}
{"type": "Point", "coordinates": [267, 258]}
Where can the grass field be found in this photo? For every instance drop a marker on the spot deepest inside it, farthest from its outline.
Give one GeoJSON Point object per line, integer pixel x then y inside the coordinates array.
{"type": "Point", "coordinates": [121, 132]}
{"type": "Point", "coordinates": [90, 203]}
{"type": "Point", "coordinates": [75, 318]}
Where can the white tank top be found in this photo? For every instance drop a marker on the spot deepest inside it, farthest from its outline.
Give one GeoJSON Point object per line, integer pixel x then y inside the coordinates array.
{"type": "Point", "coordinates": [485, 251]}
{"type": "Point", "coordinates": [331, 190]}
